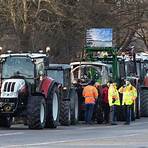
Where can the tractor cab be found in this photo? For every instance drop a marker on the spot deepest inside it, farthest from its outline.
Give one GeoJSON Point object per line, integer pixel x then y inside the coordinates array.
{"type": "Point", "coordinates": [86, 71]}
{"type": "Point", "coordinates": [29, 67]}
{"type": "Point", "coordinates": [59, 72]}
{"type": "Point", "coordinates": [81, 75]}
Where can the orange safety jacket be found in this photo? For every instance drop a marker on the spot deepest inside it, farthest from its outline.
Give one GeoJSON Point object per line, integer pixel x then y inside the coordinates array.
{"type": "Point", "coordinates": [90, 93]}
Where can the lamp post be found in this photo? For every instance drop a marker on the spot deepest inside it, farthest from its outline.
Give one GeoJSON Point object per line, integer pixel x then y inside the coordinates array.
{"type": "Point", "coordinates": [123, 59]}
{"type": "Point", "coordinates": [134, 59]}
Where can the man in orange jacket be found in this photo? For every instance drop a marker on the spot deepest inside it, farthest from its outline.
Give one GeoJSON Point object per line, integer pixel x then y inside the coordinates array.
{"type": "Point", "coordinates": [90, 94]}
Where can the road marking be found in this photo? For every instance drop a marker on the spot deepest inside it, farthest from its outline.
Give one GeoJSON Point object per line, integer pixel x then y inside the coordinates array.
{"type": "Point", "coordinates": [9, 134]}
{"type": "Point", "coordinates": [67, 141]}
{"type": "Point", "coordinates": [138, 123]}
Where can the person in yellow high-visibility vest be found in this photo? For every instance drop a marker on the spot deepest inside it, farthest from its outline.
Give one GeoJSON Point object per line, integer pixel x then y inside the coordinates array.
{"type": "Point", "coordinates": [129, 96]}
{"type": "Point", "coordinates": [114, 101]}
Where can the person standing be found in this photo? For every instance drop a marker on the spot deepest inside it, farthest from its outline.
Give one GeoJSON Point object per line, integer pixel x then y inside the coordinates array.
{"type": "Point", "coordinates": [146, 79]}
{"type": "Point", "coordinates": [90, 94]}
{"type": "Point", "coordinates": [105, 103]}
{"type": "Point", "coordinates": [129, 96]}
{"type": "Point", "coordinates": [114, 101]}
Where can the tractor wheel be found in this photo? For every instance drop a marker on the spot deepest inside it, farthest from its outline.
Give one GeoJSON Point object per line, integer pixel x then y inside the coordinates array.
{"type": "Point", "coordinates": [65, 114]}
{"type": "Point", "coordinates": [36, 112]}
{"type": "Point", "coordinates": [5, 121]}
{"type": "Point", "coordinates": [144, 102]}
{"type": "Point", "coordinates": [74, 106]}
{"type": "Point", "coordinates": [53, 108]}
{"type": "Point", "coordinates": [138, 108]}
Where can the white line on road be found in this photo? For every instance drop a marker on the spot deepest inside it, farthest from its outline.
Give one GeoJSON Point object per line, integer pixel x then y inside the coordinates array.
{"type": "Point", "coordinates": [67, 141]}
{"type": "Point", "coordinates": [9, 134]}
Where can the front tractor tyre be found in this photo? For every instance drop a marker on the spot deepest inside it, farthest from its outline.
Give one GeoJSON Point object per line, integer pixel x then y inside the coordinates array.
{"type": "Point", "coordinates": [5, 121]}
{"type": "Point", "coordinates": [36, 112]}
{"type": "Point", "coordinates": [53, 108]}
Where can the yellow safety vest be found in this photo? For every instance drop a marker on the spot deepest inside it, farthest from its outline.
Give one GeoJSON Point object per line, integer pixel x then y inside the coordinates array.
{"type": "Point", "coordinates": [113, 93]}
{"type": "Point", "coordinates": [129, 94]}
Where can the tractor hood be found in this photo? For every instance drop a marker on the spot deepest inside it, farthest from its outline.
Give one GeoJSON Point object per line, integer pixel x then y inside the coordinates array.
{"type": "Point", "coordinates": [11, 87]}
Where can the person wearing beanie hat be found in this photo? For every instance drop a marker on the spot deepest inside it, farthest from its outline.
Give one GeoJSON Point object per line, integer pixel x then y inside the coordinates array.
{"type": "Point", "coordinates": [90, 94]}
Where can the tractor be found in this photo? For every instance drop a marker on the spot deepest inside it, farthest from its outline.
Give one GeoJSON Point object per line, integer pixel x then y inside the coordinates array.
{"type": "Point", "coordinates": [144, 87]}
{"type": "Point", "coordinates": [140, 67]}
{"type": "Point", "coordinates": [134, 68]}
{"type": "Point", "coordinates": [81, 74]}
{"type": "Point", "coordinates": [68, 94]}
{"type": "Point", "coordinates": [27, 92]}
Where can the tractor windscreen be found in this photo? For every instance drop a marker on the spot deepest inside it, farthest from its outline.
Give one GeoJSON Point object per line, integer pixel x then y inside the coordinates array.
{"type": "Point", "coordinates": [57, 75]}
{"type": "Point", "coordinates": [17, 66]}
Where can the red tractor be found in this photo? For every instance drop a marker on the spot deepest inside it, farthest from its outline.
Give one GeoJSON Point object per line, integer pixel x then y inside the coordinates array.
{"type": "Point", "coordinates": [27, 92]}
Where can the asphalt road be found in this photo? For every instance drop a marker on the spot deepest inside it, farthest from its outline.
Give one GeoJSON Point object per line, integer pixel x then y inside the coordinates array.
{"type": "Point", "coordinates": [87, 136]}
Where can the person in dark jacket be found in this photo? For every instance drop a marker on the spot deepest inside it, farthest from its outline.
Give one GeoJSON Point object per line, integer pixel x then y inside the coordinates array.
{"type": "Point", "coordinates": [105, 103]}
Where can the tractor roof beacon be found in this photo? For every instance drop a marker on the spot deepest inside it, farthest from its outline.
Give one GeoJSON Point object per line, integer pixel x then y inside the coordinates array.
{"type": "Point", "coordinates": [27, 92]}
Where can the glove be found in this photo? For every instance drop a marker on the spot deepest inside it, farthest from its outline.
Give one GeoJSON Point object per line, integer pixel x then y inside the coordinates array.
{"type": "Point", "coordinates": [113, 100]}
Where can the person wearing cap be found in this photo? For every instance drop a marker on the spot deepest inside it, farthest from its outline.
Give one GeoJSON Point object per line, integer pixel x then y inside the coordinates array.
{"type": "Point", "coordinates": [129, 96]}
{"type": "Point", "coordinates": [90, 93]}
{"type": "Point", "coordinates": [97, 113]}
{"type": "Point", "coordinates": [114, 101]}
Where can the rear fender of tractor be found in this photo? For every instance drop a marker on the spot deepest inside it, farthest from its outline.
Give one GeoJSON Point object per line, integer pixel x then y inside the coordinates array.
{"type": "Point", "coordinates": [46, 86]}
{"type": "Point", "coordinates": [51, 91]}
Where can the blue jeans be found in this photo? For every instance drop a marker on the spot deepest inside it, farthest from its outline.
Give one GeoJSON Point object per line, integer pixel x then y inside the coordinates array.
{"type": "Point", "coordinates": [88, 112]}
{"type": "Point", "coordinates": [128, 113]}
{"type": "Point", "coordinates": [113, 114]}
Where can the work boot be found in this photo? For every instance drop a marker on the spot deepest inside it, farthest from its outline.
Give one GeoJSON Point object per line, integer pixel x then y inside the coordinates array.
{"type": "Point", "coordinates": [113, 123]}
{"type": "Point", "coordinates": [126, 123]}
{"type": "Point", "coordinates": [106, 122]}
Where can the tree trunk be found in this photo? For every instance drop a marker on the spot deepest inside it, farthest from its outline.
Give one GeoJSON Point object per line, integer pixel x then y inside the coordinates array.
{"type": "Point", "coordinates": [25, 43]}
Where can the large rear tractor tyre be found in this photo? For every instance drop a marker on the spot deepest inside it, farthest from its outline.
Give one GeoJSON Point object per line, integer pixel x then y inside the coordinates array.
{"type": "Point", "coordinates": [65, 113]}
{"type": "Point", "coordinates": [144, 102]}
{"type": "Point", "coordinates": [74, 106]}
{"type": "Point", "coordinates": [5, 121]}
{"type": "Point", "coordinates": [36, 112]}
{"type": "Point", "coordinates": [53, 108]}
